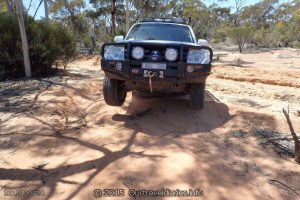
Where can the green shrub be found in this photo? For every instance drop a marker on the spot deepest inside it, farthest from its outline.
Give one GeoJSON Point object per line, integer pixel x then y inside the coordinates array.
{"type": "Point", "coordinates": [48, 43]}
{"type": "Point", "coordinates": [264, 37]}
{"type": "Point", "coordinates": [296, 44]}
{"type": "Point", "coordinates": [10, 47]}
{"type": "Point", "coordinates": [241, 35]}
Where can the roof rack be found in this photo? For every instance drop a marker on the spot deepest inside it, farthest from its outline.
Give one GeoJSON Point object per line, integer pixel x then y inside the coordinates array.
{"type": "Point", "coordinates": [176, 20]}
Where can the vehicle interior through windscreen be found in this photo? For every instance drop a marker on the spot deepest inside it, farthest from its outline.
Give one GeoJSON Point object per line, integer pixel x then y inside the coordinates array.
{"type": "Point", "coordinates": [155, 31]}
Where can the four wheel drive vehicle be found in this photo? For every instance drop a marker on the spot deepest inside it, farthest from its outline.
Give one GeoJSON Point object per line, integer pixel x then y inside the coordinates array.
{"type": "Point", "coordinates": [156, 56]}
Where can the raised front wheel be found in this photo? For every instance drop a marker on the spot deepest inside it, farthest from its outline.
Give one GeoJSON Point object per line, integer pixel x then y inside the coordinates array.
{"type": "Point", "coordinates": [114, 92]}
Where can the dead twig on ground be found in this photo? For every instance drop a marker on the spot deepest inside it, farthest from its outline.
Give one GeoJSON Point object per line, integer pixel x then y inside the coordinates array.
{"type": "Point", "coordinates": [294, 135]}
{"type": "Point", "coordinates": [40, 167]}
{"type": "Point", "coordinates": [280, 184]}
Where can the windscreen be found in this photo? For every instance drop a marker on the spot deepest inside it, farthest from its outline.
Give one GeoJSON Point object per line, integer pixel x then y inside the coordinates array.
{"type": "Point", "coordinates": [170, 32]}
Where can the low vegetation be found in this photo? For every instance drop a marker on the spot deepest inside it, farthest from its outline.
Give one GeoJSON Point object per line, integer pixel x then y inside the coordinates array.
{"type": "Point", "coordinates": [49, 43]}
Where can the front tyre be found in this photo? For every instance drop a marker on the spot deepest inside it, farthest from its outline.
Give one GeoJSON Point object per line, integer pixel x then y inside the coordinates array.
{"type": "Point", "coordinates": [114, 92]}
{"type": "Point", "coordinates": [197, 93]}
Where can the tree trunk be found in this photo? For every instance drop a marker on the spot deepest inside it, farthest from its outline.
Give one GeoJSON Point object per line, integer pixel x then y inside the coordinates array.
{"type": "Point", "coordinates": [240, 48]}
{"type": "Point", "coordinates": [295, 138]}
{"type": "Point", "coordinates": [46, 10]}
{"type": "Point", "coordinates": [113, 17]}
{"type": "Point", "coordinates": [72, 18]}
{"type": "Point", "coordinates": [127, 15]}
{"type": "Point", "coordinates": [20, 12]}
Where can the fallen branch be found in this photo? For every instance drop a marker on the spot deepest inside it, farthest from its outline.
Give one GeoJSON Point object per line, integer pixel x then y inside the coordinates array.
{"type": "Point", "coordinates": [285, 187]}
{"type": "Point", "coordinates": [40, 167]}
{"type": "Point", "coordinates": [294, 135]}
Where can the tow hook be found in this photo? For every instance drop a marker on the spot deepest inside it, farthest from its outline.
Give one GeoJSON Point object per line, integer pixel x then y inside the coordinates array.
{"type": "Point", "coordinates": [150, 76]}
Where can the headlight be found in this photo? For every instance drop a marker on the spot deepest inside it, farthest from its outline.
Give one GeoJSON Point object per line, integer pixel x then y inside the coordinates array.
{"type": "Point", "coordinates": [171, 54]}
{"type": "Point", "coordinates": [198, 56]}
{"type": "Point", "coordinates": [138, 53]}
{"type": "Point", "coordinates": [113, 52]}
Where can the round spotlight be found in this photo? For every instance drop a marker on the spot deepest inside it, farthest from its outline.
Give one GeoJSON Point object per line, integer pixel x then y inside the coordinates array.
{"type": "Point", "coordinates": [190, 69]}
{"type": "Point", "coordinates": [138, 53]}
{"type": "Point", "coordinates": [171, 54]}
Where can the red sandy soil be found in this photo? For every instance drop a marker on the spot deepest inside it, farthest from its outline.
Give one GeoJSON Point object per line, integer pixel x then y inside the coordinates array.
{"type": "Point", "coordinates": [64, 124]}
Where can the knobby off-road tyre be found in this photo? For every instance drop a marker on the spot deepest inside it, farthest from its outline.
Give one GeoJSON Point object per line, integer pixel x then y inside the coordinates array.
{"type": "Point", "coordinates": [197, 94]}
{"type": "Point", "coordinates": [114, 92]}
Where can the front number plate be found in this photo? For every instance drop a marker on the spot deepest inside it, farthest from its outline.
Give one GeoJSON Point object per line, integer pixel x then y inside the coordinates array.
{"type": "Point", "coordinates": [159, 66]}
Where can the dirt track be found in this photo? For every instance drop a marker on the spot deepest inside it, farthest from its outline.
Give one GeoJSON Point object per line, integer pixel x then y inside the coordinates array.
{"type": "Point", "coordinates": [64, 124]}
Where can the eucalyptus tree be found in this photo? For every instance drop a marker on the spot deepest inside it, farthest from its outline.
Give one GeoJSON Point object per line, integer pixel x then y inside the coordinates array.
{"type": "Point", "coordinates": [7, 6]}
{"type": "Point", "coordinates": [149, 8]}
{"type": "Point", "coordinates": [112, 11]}
{"type": "Point", "coordinates": [260, 14]}
{"type": "Point", "coordinates": [241, 35]}
{"type": "Point", "coordinates": [68, 12]}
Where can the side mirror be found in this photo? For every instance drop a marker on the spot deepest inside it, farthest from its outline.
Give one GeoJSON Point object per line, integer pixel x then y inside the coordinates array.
{"type": "Point", "coordinates": [202, 42]}
{"type": "Point", "coordinates": [119, 38]}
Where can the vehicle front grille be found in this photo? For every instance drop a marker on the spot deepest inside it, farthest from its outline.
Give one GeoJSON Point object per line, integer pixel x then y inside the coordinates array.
{"type": "Point", "coordinates": [173, 69]}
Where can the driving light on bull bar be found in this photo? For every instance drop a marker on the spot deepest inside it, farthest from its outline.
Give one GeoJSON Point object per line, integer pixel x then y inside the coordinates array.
{"type": "Point", "coordinates": [113, 52]}
{"type": "Point", "coordinates": [171, 54]}
{"type": "Point", "coordinates": [198, 56]}
{"type": "Point", "coordinates": [138, 53]}
{"type": "Point", "coordinates": [190, 69]}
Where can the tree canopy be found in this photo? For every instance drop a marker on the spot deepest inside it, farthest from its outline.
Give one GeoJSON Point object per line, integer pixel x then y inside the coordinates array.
{"type": "Point", "coordinates": [93, 22]}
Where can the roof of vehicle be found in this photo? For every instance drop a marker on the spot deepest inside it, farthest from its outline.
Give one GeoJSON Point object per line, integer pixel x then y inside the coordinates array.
{"type": "Point", "coordinates": [175, 20]}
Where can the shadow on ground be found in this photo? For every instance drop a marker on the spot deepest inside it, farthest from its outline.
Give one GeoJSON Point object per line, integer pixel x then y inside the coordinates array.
{"type": "Point", "coordinates": [162, 116]}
